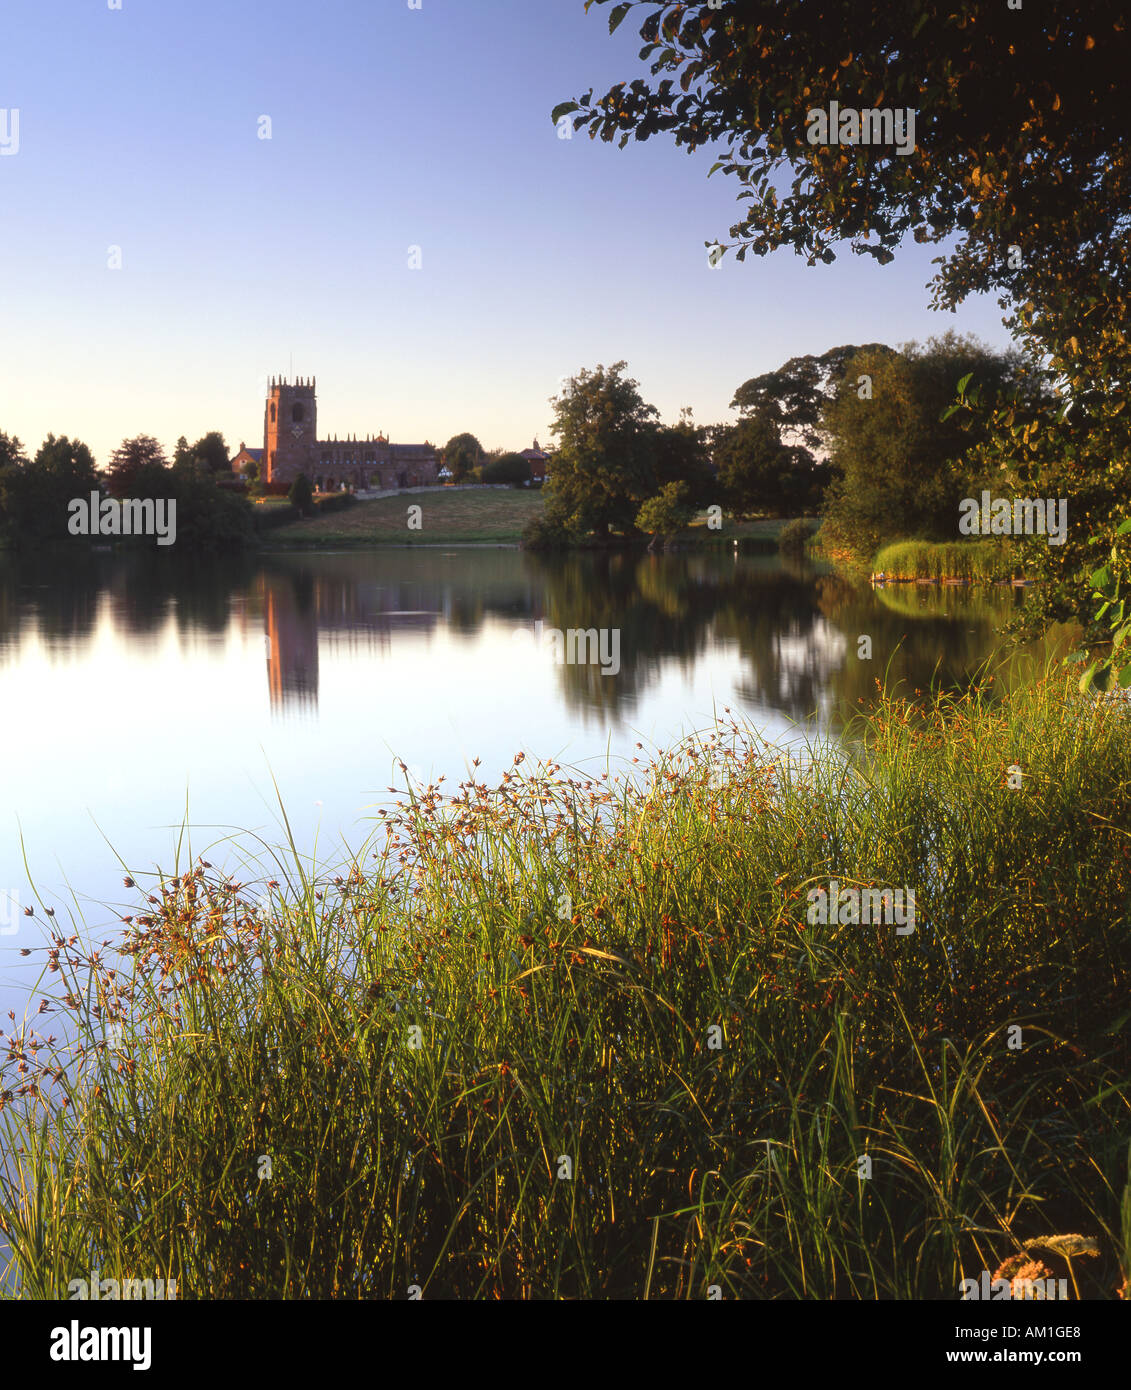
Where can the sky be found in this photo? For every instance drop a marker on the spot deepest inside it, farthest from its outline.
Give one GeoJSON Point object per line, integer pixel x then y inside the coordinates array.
{"type": "Point", "coordinates": [391, 128]}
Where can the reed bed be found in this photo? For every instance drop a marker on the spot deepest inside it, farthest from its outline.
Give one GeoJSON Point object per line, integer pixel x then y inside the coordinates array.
{"type": "Point", "coordinates": [577, 1038]}
{"type": "Point", "coordinates": [978, 561]}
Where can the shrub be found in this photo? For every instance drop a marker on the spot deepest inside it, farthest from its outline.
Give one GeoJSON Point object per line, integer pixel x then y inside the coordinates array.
{"type": "Point", "coordinates": [795, 535]}
{"type": "Point", "coordinates": [511, 468]}
{"type": "Point", "coordinates": [669, 512]}
{"type": "Point", "coordinates": [301, 495]}
{"type": "Point", "coordinates": [545, 533]}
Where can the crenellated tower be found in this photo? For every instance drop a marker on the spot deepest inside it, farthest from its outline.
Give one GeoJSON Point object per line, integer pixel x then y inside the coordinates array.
{"type": "Point", "coordinates": [290, 430]}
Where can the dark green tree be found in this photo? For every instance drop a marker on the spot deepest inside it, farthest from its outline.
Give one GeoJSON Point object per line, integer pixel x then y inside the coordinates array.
{"type": "Point", "coordinates": [1019, 163]}
{"type": "Point", "coordinates": [681, 454]}
{"type": "Point", "coordinates": [462, 455]}
{"type": "Point", "coordinates": [301, 495]}
{"type": "Point", "coordinates": [133, 461]}
{"type": "Point", "coordinates": [506, 468]}
{"type": "Point", "coordinates": [794, 395]}
{"type": "Point", "coordinates": [11, 452]}
{"type": "Point", "coordinates": [758, 473]}
{"type": "Point", "coordinates": [211, 453]}
{"type": "Point", "coordinates": [604, 465]}
{"type": "Point", "coordinates": [898, 471]}
{"type": "Point", "coordinates": [13, 488]}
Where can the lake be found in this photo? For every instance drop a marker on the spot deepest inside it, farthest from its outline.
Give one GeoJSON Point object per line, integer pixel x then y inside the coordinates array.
{"type": "Point", "coordinates": [141, 693]}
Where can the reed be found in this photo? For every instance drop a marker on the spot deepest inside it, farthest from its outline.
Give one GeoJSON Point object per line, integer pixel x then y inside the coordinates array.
{"type": "Point", "coordinates": [370, 1082]}
{"type": "Point", "coordinates": [979, 561]}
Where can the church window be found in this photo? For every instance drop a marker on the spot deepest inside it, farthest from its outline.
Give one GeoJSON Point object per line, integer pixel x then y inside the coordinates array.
{"type": "Point", "coordinates": [298, 414]}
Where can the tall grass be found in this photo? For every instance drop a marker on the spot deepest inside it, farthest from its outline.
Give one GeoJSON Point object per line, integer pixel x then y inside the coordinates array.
{"type": "Point", "coordinates": [540, 971]}
{"type": "Point", "coordinates": [974, 560]}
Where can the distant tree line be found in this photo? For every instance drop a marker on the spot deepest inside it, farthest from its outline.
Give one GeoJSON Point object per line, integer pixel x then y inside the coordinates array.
{"type": "Point", "coordinates": [36, 493]}
{"type": "Point", "coordinates": [855, 434]}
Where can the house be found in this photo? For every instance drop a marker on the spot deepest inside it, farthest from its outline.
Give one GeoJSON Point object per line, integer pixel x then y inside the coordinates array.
{"type": "Point", "coordinates": [538, 462]}
{"type": "Point", "coordinates": [246, 456]}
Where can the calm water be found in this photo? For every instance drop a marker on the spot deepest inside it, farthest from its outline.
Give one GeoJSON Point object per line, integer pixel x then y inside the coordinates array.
{"type": "Point", "coordinates": [138, 694]}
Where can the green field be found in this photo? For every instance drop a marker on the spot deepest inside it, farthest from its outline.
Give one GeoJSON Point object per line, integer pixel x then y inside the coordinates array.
{"type": "Point", "coordinates": [489, 517]}
{"type": "Point", "coordinates": [492, 516]}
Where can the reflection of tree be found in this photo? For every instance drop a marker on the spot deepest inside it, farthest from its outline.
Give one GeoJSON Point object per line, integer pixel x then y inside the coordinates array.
{"type": "Point", "coordinates": [921, 634]}
{"type": "Point", "coordinates": [792, 651]}
{"type": "Point", "coordinates": [795, 628]}
{"type": "Point", "coordinates": [57, 594]}
{"type": "Point", "coordinates": [656, 601]}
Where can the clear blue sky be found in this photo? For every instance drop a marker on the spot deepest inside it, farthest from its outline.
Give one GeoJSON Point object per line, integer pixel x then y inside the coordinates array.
{"type": "Point", "coordinates": [392, 128]}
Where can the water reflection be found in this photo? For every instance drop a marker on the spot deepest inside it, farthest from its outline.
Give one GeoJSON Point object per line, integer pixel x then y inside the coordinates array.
{"type": "Point", "coordinates": [796, 628]}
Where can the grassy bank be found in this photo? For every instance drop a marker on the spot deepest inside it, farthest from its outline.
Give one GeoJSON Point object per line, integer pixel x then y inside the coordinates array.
{"type": "Point", "coordinates": [563, 1038]}
{"type": "Point", "coordinates": [493, 516]}
{"type": "Point", "coordinates": [448, 517]}
{"type": "Point", "coordinates": [978, 561]}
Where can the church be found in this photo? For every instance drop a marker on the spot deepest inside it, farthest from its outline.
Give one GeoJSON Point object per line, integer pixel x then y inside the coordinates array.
{"type": "Point", "coordinates": [291, 446]}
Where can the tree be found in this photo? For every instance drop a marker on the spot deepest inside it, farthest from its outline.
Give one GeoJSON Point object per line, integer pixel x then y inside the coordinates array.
{"type": "Point", "coordinates": [1019, 134]}
{"type": "Point", "coordinates": [759, 473]}
{"type": "Point", "coordinates": [13, 491]}
{"type": "Point", "coordinates": [67, 459]}
{"type": "Point", "coordinates": [507, 468]}
{"type": "Point", "coordinates": [61, 471]}
{"type": "Point", "coordinates": [34, 497]}
{"type": "Point", "coordinates": [681, 454]}
{"type": "Point", "coordinates": [301, 495]}
{"type": "Point", "coordinates": [898, 470]}
{"type": "Point", "coordinates": [794, 396]}
{"type": "Point", "coordinates": [462, 454]}
{"type": "Point", "coordinates": [669, 512]}
{"type": "Point", "coordinates": [182, 454]}
{"type": "Point", "coordinates": [133, 461]}
{"type": "Point", "coordinates": [211, 453]}
{"type": "Point", "coordinates": [11, 452]}
{"type": "Point", "coordinates": [1017, 157]}
{"type": "Point", "coordinates": [603, 468]}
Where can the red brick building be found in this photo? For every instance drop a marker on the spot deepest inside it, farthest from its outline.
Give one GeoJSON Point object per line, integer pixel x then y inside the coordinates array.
{"type": "Point", "coordinates": [537, 460]}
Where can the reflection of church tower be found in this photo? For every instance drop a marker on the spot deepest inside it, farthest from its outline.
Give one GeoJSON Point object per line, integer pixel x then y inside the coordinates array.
{"type": "Point", "coordinates": [292, 638]}
{"type": "Point", "coordinates": [290, 431]}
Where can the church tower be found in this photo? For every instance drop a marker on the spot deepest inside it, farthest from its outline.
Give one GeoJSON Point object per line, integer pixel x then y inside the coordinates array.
{"type": "Point", "coordinates": [290, 430]}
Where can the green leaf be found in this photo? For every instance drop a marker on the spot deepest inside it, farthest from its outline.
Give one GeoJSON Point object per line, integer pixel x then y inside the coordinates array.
{"type": "Point", "coordinates": [563, 108]}
{"type": "Point", "coordinates": [962, 385]}
{"type": "Point", "coordinates": [618, 15]}
{"type": "Point", "coordinates": [1123, 527]}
